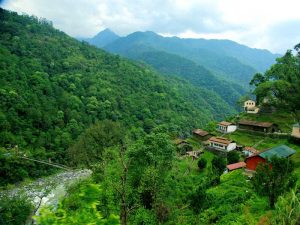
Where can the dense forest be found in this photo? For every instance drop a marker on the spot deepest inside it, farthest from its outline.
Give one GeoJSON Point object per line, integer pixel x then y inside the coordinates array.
{"type": "Point", "coordinates": [65, 101]}
{"type": "Point", "coordinates": [54, 87]}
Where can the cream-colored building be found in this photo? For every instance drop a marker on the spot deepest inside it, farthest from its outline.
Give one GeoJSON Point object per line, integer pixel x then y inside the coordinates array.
{"type": "Point", "coordinates": [250, 107]}
{"type": "Point", "coordinates": [296, 130]}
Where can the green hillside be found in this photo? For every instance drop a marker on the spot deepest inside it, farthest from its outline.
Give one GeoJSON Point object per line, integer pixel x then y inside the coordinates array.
{"type": "Point", "coordinates": [171, 64]}
{"type": "Point", "coordinates": [53, 87]}
{"type": "Point", "coordinates": [224, 58]}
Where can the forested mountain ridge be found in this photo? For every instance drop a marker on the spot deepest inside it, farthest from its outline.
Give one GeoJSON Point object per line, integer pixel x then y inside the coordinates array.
{"type": "Point", "coordinates": [225, 58]}
{"type": "Point", "coordinates": [171, 64]}
{"type": "Point", "coordinates": [53, 87]}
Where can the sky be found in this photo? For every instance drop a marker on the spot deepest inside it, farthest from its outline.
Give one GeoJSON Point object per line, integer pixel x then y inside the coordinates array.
{"type": "Point", "coordinates": [266, 24]}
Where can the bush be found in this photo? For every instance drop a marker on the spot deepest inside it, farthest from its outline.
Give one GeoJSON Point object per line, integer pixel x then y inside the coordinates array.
{"type": "Point", "coordinates": [233, 157]}
{"type": "Point", "coordinates": [14, 210]}
{"type": "Point", "coordinates": [202, 163]}
{"type": "Point", "coordinates": [218, 164]}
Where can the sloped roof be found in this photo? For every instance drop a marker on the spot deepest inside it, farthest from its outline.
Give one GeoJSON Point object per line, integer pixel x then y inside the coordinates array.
{"type": "Point", "coordinates": [251, 149]}
{"type": "Point", "coordinates": [296, 125]}
{"type": "Point", "coordinates": [255, 123]}
{"type": "Point", "coordinates": [235, 166]}
{"type": "Point", "coordinates": [200, 132]}
{"type": "Point", "coordinates": [225, 123]}
{"type": "Point", "coordinates": [220, 140]}
{"type": "Point", "coordinates": [281, 151]}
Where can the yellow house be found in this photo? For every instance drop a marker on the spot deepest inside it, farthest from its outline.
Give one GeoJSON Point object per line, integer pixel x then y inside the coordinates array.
{"type": "Point", "coordinates": [296, 130]}
{"type": "Point", "coordinates": [250, 107]}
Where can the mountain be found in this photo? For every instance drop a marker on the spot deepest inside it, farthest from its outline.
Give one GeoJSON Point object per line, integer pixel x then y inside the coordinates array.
{"type": "Point", "coordinates": [52, 87]}
{"type": "Point", "coordinates": [174, 65]}
{"type": "Point", "coordinates": [226, 59]}
{"type": "Point", "coordinates": [103, 38]}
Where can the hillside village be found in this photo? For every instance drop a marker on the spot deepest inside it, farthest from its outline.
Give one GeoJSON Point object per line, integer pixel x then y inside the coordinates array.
{"type": "Point", "coordinates": [254, 139]}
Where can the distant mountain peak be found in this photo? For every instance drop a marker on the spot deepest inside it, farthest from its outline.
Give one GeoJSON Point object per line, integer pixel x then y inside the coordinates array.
{"type": "Point", "coordinates": [103, 38]}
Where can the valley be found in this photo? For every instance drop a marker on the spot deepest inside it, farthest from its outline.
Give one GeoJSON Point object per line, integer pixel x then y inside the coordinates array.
{"type": "Point", "coordinates": [144, 129]}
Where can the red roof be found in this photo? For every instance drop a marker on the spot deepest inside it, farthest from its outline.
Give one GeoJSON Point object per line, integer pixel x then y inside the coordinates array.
{"type": "Point", "coordinates": [236, 166]}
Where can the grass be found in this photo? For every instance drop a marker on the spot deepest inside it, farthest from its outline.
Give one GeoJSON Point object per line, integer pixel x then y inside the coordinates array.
{"type": "Point", "coordinates": [283, 119]}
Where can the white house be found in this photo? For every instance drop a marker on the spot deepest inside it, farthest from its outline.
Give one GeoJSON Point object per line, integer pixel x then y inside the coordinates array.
{"type": "Point", "coordinates": [250, 107]}
{"type": "Point", "coordinates": [226, 127]}
{"type": "Point", "coordinates": [296, 130]}
{"type": "Point", "coordinates": [222, 144]}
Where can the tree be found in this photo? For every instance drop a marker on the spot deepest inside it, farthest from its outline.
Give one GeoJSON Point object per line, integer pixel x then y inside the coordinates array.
{"type": "Point", "coordinates": [280, 84]}
{"type": "Point", "coordinates": [233, 157]}
{"type": "Point", "coordinates": [202, 163]}
{"type": "Point", "coordinates": [287, 209]}
{"type": "Point", "coordinates": [274, 178]}
{"type": "Point", "coordinates": [91, 144]}
{"type": "Point", "coordinates": [218, 164]}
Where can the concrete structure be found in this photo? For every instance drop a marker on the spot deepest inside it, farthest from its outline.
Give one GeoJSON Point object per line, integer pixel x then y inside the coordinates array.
{"type": "Point", "coordinates": [250, 107]}
{"type": "Point", "coordinates": [226, 127]}
{"type": "Point", "coordinates": [281, 151]}
{"type": "Point", "coordinates": [264, 127]}
{"type": "Point", "coordinates": [221, 144]}
{"type": "Point", "coordinates": [296, 131]}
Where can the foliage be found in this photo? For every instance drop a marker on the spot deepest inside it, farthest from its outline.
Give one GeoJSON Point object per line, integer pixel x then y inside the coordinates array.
{"type": "Point", "coordinates": [91, 144]}
{"type": "Point", "coordinates": [80, 207]}
{"type": "Point", "coordinates": [14, 210]}
{"type": "Point", "coordinates": [280, 84]}
{"type": "Point", "coordinates": [274, 178]}
{"type": "Point", "coordinates": [219, 164]}
{"type": "Point", "coordinates": [53, 87]}
{"type": "Point", "coordinates": [233, 157]}
{"type": "Point", "coordinates": [201, 163]}
{"type": "Point", "coordinates": [287, 209]}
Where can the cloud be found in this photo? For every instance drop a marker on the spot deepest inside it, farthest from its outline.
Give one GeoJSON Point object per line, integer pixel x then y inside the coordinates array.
{"type": "Point", "coordinates": [252, 22]}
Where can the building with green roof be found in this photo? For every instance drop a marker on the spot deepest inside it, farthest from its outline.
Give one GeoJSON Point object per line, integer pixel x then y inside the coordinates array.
{"type": "Point", "coordinates": [281, 151]}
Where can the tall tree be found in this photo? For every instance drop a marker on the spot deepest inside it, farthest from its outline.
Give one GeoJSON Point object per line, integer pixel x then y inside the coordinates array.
{"type": "Point", "coordinates": [274, 178]}
{"type": "Point", "coordinates": [280, 84]}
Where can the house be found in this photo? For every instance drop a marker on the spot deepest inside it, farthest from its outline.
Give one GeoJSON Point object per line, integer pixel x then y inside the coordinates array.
{"type": "Point", "coordinates": [183, 146]}
{"type": "Point", "coordinates": [296, 131]}
{"type": "Point", "coordinates": [249, 151]}
{"type": "Point", "coordinates": [194, 154]}
{"type": "Point", "coordinates": [250, 107]}
{"type": "Point", "coordinates": [221, 144]}
{"type": "Point", "coordinates": [236, 166]}
{"type": "Point", "coordinates": [281, 151]}
{"type": "Point", "coordinates": [201, 135]}
{"type": "Point", "coordinates": [226, 127]}
{"type": "Point", "coordinates": [256, 126]}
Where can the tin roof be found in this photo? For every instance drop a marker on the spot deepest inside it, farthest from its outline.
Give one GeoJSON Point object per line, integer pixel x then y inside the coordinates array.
{"type": "Point", "coordinates": [236, 166]}
{"type": "Point", "coordinates": [200, 132]}
{"type": "Point", "coordinates": [255, 123]}
{"type": "Point", "coordinates": [250, 149]}
{"type": "Point", "coordinates": [225, 123]}
{"type": "Point", "coordinates": [281, 151]}
{"type": "Point", "coordinates": [220, 140]}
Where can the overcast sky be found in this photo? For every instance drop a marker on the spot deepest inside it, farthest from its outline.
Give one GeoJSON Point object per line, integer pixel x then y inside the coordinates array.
{"type": "Point", "coordinates": [268, 24]}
